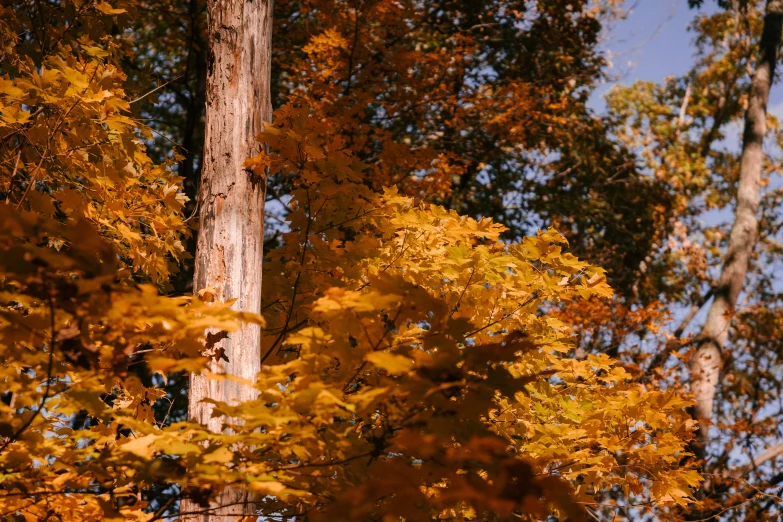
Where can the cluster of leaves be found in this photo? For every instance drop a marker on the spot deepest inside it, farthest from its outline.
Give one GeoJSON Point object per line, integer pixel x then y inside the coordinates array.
{"type": "Point", "coordinates": [388, 377]}
{"type": "Point", "coordinates": [70, 335]}
{"type": "Point", "coordinates": [69, 147]}
{"type": "Point", "coordinates": [479, 107]}
{"type": "Point", "coordinates": [430, 329]}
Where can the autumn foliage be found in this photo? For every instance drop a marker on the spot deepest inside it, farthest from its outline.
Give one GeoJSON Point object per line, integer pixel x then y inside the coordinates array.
{"type": "Point", "coordinates": [426, 354]}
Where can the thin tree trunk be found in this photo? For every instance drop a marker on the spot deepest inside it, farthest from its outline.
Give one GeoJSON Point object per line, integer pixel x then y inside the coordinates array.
{"type": "Point", "coordinates": [195, 81]}
{"type": "Point", "coordinates": [230, 240]}
{"type": "Point", "coordinates": [192, 98]}
{"type": "Point", "coordinates": [712, 340]}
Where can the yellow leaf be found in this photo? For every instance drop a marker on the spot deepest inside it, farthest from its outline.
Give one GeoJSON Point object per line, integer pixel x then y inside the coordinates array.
{"type": "Point", "coordinates": [394, 364]}
{"type": "Point", "coordinates": [141, 446]}
{"type": "Point", "coordinates": [268, 487]}
{"type": "Point", "coordinates": [221, 455]}
{"type": "Point", "coordinates": [107, 9]}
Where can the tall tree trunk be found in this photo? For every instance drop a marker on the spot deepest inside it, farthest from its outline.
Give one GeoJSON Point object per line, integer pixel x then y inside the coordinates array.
{"type": "Point", "coordinates": [230, 239]}
{"type": "Point", "coordinates": [712, 340]}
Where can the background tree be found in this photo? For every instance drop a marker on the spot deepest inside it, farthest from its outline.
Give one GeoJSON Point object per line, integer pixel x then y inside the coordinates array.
{"type": "Point", "coordinates": [486, 104]}
{"type": "Point", "coordinates": [683, 131]}
{"type": "Point", "coordinates": [744, 231]}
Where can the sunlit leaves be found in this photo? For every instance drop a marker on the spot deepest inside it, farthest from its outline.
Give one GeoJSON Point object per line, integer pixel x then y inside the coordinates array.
{"type": "Point", "coordinates": [413, 364]}
{"type": "Point", "coordinates": [69, 146]}
{"type": "Point", "coordinates": [423, 312]}
{"type": "Point", "coordinates": [409, 369]}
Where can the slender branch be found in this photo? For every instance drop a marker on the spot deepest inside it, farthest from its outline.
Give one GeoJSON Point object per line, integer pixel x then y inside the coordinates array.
{"type": "Point", "coordinates": [692, 313]}
{"type": "Point", "coordinates": [374, 349]}
{"type": "Point", "coordinates": [45, 397]}
{"type": "Point", "coordinates": [323, 464]}
{"type": "Point", "coordinates": [768, 454]}
{"type": "Point", "coordinates": [462, 294]}
{"type": "Point", "coordinates": [13, 176]}
{"type": "Point", "coordinates": [160, 512]}
{"type": "Point", "coordinates": [155, 89]}
{"type": "Point", "coordinates": [529, 300]}
{"type": "Point", "coordinates": [662, 356]}
{"type": "Point", "coordinates": [353, 50]}
{"type": "Point", "coordinates": [285, 330]}
{"type": "Point", "coordinates": [45, 152]}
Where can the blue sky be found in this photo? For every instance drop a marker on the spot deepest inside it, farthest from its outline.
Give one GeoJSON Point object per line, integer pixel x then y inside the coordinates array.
{"type": "Point", "coordinates": [651, 43]}
{"type": "Point", "coordinates": [654, 42]}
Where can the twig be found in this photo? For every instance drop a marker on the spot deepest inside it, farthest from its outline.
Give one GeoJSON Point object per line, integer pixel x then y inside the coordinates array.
{"type": "Point", "coordinates": [13, 175]}
{"type": "Point", "coordinates": [692, 313]}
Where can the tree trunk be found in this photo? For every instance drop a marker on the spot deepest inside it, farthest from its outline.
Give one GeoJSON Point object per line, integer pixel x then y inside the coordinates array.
{"type": "Point", "coordinates": [229, 250]}
{"type": "Point", "coordinates": [712, 340]}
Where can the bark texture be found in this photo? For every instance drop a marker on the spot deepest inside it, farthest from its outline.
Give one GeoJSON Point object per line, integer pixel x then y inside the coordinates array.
{"type": "Point", "coordinates": [229, 250]}
{"type": "Point", "coordinates": [712, 340]}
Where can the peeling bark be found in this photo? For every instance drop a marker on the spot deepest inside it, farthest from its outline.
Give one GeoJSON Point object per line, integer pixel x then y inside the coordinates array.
{"type": "Point", "coordinates": [712, 340]}
{"type": "Point", "coordinates": [229, 251]}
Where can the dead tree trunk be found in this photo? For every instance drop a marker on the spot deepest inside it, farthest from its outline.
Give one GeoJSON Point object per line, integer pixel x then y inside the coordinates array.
{"type": "Point", "coordinates": [712, 340]}
{"type": "Point", "coordinates": [229, 250]}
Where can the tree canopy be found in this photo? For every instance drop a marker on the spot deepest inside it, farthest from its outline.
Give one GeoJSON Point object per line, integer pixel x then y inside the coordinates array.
{"type": "Point", "coordinates": [481, 300]}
